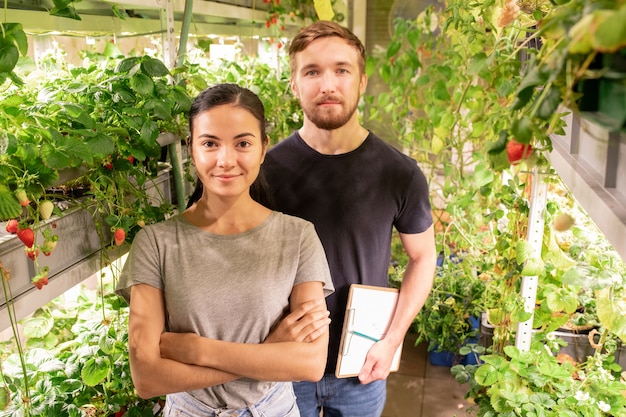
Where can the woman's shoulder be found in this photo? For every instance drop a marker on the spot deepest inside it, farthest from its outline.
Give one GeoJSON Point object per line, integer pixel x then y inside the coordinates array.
{"type": "Point", "coordinates": [166, 226]}
{"type": "Point", "coordinates": [287, 220]}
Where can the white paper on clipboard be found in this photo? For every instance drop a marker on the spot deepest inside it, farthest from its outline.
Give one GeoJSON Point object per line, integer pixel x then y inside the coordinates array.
{"type": "Point", "coordinates": [368, 315]}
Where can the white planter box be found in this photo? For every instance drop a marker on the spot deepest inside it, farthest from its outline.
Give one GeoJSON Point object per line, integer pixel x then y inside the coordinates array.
{"type": "Point", "coordinates": [76, 257]}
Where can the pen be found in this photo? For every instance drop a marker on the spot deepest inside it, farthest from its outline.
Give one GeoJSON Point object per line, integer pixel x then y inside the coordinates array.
{"type": "Point", "coordinates": [366, 336]}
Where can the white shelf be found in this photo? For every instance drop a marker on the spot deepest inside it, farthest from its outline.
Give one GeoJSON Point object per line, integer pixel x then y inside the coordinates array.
{"type": "Point", "coordinates": [78, 256]}
{"type": "Point", "coordinates": [592, 163]}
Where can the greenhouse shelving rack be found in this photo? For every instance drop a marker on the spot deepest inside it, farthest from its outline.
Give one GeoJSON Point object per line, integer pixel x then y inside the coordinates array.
{"type": "Point", "coordinates": [591, 161]}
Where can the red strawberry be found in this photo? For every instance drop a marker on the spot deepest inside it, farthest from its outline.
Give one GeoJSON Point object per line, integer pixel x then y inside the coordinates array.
{"type": "Point", "coordinates": [516, 151]}
{"type": "Point", "coordinates": [41, 278]}
{"type": "Point", "coordinates": [119, 235]}
{"type": "Point", "coordinates": [27, 236]}
{"type": "Point", "coordinates": [45, 209]}
{"type": "Point", "coordinates": [12, 226]}
{"type": "Point", "coordinates": [21, 196]}
{"type": "Point", "coordinates": [131, 159]}
{"type": "Point", "coordinates": [121, 412]}
{"type": "Point", "coordinates": [32, 253]}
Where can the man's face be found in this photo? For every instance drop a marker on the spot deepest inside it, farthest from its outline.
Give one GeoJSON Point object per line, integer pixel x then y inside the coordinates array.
{"type": "Point", "coordinates": [328, 82]}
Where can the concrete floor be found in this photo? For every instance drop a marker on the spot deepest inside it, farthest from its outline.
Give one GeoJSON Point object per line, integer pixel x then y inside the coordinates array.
{"type": "Point", "coordinates": [420, 389]}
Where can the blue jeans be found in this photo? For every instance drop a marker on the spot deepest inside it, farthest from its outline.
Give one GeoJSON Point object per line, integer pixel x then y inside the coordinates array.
{"type": "Point", "coordinates": [279, 402]}
{"type": "Point", "coordinates": [340, 397]}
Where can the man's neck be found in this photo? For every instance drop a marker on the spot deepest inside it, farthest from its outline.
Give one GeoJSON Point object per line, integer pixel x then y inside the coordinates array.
{"type": "Point", "coordinates": [333, 142]}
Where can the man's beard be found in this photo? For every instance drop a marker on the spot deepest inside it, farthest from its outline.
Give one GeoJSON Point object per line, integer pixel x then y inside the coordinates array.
{"type": "Point", "coordinates": [328, 120]}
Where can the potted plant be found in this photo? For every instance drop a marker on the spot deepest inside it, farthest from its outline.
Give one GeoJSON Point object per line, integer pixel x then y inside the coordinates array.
{"type": "Point", "coordinates": [450, 317]}
{"type": "Point", "coordinates": [539, 382]}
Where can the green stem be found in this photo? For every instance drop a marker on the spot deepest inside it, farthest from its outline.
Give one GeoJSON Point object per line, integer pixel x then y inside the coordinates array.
{"type": "Point", "coordinates": [8, 295]}
{"type": "Point", "coordinates": [542, 97]}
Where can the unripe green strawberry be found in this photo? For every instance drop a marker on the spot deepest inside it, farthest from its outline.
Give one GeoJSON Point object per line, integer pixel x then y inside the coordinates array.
{"type": "Point", "coordinates": [41, 278]}
{"type": "Point", "coordinates": [21, 196]}
{"type": "Point", "coordinates": [48, 246]}
{"type": "Point", "coordinates": [45, 209]}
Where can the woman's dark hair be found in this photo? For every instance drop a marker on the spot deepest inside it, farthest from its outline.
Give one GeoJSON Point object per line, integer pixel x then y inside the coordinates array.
{"type": "Point", "coordinates": [236, 95]}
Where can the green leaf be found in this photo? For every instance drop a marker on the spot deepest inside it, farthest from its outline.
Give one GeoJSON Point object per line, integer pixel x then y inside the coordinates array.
{"type": "Point", "coordinates": [550, 102]}
{"type": "Point", "coordinates": [149, 132]}
{"type": "Point", "coordinates": [14, 32]}
{"type": "Point", "coordinates": [393, 48]}
{"type": "Point", "coordinates": [565, 300]}
{"type": "Point", "coordinates": [610, 35]}
{"type": "Point", "coordinates": [95, 371]}
{"type": "Point", "coordinates": [158, 109]}
{"type": "Point", "coordinates": [498, 147]}
{"type": "Point", "coordinates": [413, 36]}
{"type": "Point", "coordinates": [111, 50]}
{"type": "Point", "coordinates": [153, 67]}
{"type": "Point", "coordinates": [119, 11]}
{"type": "Point", "coordinates": [65, 152]}
{"type": "Point", "coordinates": [10, 208]}
{"type": "Point", "coordinates": [478, 63]}
{"type": "Point", "coordinates": [38, 326]}
{"type": "Point", "coordinates": [142, 84]}
{"type": "Point", "coordinates": [441, 91]}
{"type": "Point", "coordinates": [181, 101]}
{"type": "Point", "coordinates": [68, 12]}
{"type": "Point", "coordinates": [612, 314]}
{"type": "Point", "coordinates": [123, 96]}
{"type": "Point", "coordinates": [522, 130]}
{"type": "Point", "coordinates": [107, 344]}
{"type": "Point", "coordinates": [533, 267]}
{"type": "Point", "coordinates": [78, 114]}
{"type": "Point", "coordinates": [100, 145]}
{"type": "Point", "coordinates": [483, 175]}
{"type": "Point", "coordinates": [5, 397]}
{"type": "Point", "coordinates": [370, 66]}
{"type": "Point", "coordinates": [486, 375]}
{"type": "Point", "coordinates": [61, 4]}
{"type": "Point", "coordinates": [527, 86]}
{"type": "Point", "coordinates": [9, 55]}
{"type": "Point", "coordinates": [132, 122]}
{"type": "Point", "coordinates": [128, 65]}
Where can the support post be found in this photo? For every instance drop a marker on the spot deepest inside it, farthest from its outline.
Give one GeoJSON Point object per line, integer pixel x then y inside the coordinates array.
{"type": "Point", "coordinates": [534, 236]}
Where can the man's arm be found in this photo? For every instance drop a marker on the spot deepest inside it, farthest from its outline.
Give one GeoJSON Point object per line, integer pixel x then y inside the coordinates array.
{"type": "Point", "coordinates": [416, 285]}
{"type": "Point", "coordinates": [278, 361]}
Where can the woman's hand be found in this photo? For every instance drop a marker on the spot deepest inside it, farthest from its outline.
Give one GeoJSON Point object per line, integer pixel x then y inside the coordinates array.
{"type": "Point", "coordinates": [305, 324]}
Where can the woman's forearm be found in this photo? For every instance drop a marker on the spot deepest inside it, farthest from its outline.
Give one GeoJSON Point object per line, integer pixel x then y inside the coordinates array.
{"type": "Point", "coordinates": [156, 377]}
{"type": "Point", "coordinates": [284, 361]}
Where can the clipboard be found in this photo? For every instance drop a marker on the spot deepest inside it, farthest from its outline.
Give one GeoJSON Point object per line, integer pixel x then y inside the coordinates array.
{"type": "Point", "coordinates": [368, 315]}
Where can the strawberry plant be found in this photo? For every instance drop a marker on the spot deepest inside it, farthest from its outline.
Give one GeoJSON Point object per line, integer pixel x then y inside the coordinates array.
{"type": "Point", "coordinates": [76, 360]}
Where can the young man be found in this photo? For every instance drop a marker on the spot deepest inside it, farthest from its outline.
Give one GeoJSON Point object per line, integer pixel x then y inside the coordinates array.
{"type": "Point", "coordinates": [354, 188]}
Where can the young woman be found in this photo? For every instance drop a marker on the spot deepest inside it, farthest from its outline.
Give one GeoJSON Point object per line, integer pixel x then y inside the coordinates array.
{"type": "Point", "coordinates": [207, 286]}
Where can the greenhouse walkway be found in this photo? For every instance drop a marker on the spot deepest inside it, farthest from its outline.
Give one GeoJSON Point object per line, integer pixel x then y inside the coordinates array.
{"type": "Point", "coordinates": [420, 389]}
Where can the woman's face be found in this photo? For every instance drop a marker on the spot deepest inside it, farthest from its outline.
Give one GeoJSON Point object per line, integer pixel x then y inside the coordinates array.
{"type": "Point", "coordinates": [227, 150]}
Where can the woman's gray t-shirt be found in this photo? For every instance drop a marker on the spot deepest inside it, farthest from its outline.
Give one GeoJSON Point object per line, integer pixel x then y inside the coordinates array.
{"type": "Point", "coordinates": [227, 287]}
